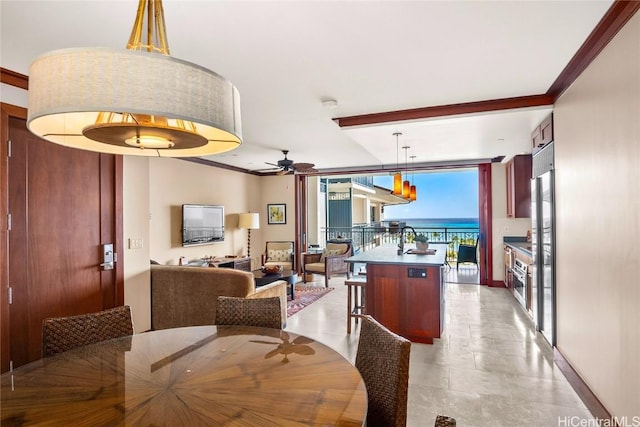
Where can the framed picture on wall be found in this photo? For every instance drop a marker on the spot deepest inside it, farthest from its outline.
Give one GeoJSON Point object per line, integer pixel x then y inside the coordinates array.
{"type": "Point", "coordinates": [277, 213]}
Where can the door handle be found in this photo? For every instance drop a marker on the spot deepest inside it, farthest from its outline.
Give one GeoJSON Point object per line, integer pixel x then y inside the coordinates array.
{"type": "Point", "coordinates": [107, 257]}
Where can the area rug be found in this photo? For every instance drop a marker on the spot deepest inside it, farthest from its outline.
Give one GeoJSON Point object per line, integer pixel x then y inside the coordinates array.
{"type": "Point", "coordinates": [305, 295]}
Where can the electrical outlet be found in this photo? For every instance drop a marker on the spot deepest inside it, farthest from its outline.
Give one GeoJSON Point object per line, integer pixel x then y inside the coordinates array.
{"type": "Point", "coordinates": [506, 228]}
{"type": "Point", "coordinates": [135, 243]}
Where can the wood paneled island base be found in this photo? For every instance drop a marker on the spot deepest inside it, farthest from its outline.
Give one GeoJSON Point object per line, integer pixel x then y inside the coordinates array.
{"type": "Point", "coordinates": [409, 306]}
{"type": "Point", "coordinates": [406, 292]}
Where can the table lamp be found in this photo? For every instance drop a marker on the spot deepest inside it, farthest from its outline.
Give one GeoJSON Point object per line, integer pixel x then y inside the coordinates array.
{"type": "Point", "coordinates": [250, 221]}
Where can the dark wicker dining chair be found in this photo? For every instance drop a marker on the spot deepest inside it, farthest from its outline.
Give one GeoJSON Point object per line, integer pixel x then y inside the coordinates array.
{"type": "Point", "coordinates": [467, 254]}
{"type": "Point", "coordinates": [383, 361]}
{"type": "Point", "coordinates": [444, 421]}
{"type": "Point", "coordinates": [61, 334]}
{"type": "Point", "coordinates": [263, 312]}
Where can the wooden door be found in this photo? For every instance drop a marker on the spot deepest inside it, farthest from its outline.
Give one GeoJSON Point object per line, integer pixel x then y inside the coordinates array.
{"type": "Point", "coordinates": [64, 205]}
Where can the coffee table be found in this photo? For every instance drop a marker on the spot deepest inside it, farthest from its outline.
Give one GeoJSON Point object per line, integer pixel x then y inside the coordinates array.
{"type": "Point", "coordinates": [289, 276]}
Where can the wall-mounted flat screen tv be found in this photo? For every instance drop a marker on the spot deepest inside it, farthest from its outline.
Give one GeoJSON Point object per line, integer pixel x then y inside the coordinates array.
{"type": "Point", "coordinates": [202, 224]}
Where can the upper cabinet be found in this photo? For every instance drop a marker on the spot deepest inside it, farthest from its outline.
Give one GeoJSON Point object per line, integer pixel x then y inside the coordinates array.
{"type": "Point", "coordinates": [542, 134]}
{"type": "Point", "coordinates": [519, 186]}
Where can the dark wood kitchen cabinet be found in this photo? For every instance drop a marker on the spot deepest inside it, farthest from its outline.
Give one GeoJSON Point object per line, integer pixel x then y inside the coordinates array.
{"type": "Point", "coordinates": [509, 257]}
{"type": "Point", "coordinates": [519, 186]}
{"type": "Point", "coordinates": [542, 134]}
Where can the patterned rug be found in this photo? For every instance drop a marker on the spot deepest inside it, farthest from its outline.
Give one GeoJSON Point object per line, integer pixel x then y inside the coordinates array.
{"type": "Point", "coordinates": [305, 295]}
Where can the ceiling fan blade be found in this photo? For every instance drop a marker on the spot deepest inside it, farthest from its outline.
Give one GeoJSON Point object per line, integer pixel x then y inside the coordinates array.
{"type": "Point", "coordinates": [283, 172]}
{"type": "Point", "coordinates": [304, 167]}
{"type": "Point", "coordinates": [272, 164]}
{"type": "Point", "coordinates": [268, 170]}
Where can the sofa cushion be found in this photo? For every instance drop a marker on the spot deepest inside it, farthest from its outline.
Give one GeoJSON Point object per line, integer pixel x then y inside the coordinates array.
{"type": "Point", "coordinates": [315, 267]}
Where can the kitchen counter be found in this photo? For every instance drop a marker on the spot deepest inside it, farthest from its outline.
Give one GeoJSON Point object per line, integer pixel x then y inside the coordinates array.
{"type": "Point", "coordinates": [388, 254]}
{"type": "Point", "coordinates": [522, 246]}
{"type": "Point", "coordinates": [406, 292]}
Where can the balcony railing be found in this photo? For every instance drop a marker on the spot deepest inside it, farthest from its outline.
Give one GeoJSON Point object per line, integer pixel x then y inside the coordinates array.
{"type": "Point", "coordinates": [366, 237]}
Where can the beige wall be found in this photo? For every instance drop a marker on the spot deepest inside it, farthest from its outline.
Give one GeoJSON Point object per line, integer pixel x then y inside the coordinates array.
{"type": "Point", "coordinates": [277, 189]}
{"type": "Point", "coordinates": [501, 224]}
{"type": "Point", "coordinates": [174, 182]}
{"type": "Point", "coordinates": [597, 147]}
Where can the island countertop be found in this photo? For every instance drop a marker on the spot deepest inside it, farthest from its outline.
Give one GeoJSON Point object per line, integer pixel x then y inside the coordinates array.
{"type": "Point", "coordinates": [388, 254]}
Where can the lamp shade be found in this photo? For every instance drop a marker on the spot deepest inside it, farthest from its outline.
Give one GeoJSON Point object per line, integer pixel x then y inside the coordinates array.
{"type": "Point", "coordinates": [413, 193]}
{"type": "Point", "coordinates": [249, 220]}
{"type": "Point", "coordinates": [70, 88]}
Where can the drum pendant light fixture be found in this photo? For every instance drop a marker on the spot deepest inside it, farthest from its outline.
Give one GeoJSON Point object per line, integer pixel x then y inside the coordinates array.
{"type": "Point", "coordinates": [397, 177]}
{"type": "Point", "coordinates": [139, 101]}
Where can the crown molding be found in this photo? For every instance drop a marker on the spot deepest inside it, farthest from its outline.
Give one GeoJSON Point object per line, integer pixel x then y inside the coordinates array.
{"type": "Point", "coordinates": [13, 78]}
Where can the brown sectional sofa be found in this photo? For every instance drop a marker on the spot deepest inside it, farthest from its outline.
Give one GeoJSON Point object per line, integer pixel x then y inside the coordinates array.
{"type": "Point", "coordinates": [186, 296]}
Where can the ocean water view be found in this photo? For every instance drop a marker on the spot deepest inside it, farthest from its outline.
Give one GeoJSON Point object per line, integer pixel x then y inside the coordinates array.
{"type": "Point", "coordinates": [458, 223]}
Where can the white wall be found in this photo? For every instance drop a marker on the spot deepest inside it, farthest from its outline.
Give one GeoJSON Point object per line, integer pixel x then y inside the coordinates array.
{"type": "Point", "coordinates": [313, 195]}
{"type": "Point", "coordinates": [358, 210]}
{"type": "Point", "coordinates": [501, 224]}
{"type": "Point", "coordinates": [136, 226]}
{"type": "Point", "coordinates": [13, 95]}
{"type": "Point", "coordinates": [597, 149]}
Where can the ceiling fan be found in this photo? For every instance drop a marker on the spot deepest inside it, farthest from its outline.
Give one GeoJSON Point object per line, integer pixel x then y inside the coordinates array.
{"type": "Point", "coordinates": [289, 166]}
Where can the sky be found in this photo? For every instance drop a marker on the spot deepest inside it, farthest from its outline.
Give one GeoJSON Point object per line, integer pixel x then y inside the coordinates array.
{"type": "Point", "coordinates": [439, 195]}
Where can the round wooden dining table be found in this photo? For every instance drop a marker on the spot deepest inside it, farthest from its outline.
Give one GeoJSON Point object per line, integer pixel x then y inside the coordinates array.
{"type": "Point", "coordinates": [194, 376]}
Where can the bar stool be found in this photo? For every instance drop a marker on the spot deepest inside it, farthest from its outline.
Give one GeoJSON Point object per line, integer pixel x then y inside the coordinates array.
{"type": "Point", "coordinates": [355, 299]}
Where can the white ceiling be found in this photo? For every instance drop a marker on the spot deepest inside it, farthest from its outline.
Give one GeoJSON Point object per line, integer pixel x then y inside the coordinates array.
{"type": "Point", "coordinates": [285, 57]}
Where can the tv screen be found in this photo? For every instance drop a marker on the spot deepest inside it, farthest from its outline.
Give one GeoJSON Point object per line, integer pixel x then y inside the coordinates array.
{"type": "Point", "coordinates": [202, 224]}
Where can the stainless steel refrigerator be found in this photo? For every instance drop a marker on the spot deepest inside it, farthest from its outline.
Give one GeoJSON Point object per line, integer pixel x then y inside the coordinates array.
{"type": "Point", "coordinates": [543, 286]}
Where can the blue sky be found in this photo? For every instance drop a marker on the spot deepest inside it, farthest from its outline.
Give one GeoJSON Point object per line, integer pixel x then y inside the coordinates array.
{"type": "Point", "coordinates": [440, 195]}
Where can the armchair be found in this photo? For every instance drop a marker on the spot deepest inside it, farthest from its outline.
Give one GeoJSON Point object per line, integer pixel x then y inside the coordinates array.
{"type": "Point", "coordinates": [329, 262]}
{"type": "Point", "coordinates": [279, 253]}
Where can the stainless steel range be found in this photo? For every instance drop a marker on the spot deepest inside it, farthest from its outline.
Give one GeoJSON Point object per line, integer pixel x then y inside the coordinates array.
{"type": "Point", "coordinates": [520, 282]}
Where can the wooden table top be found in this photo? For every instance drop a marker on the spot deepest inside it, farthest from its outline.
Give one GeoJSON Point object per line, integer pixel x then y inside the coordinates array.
{"type": "Point", "coordinates": [203, 375]}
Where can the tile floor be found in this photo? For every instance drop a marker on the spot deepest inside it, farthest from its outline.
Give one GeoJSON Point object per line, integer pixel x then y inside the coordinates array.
{"type": "Point", "coordinates": [490, 368]}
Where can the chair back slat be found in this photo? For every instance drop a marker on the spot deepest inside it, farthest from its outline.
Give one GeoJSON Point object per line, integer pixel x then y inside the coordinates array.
{"type": "Point", "coordinates": [262, 312]}
{"type": "Point", "coordinates": [383, 361]}
{"type": "Point", "coordinates": [61, 334]}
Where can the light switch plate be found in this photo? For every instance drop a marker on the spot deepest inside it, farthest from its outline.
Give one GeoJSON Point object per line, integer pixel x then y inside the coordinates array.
{"type": "Point", "coordinates": [135, 243]}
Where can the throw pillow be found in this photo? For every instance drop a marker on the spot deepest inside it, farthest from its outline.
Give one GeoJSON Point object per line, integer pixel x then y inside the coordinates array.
{"type": "Point", "coordinates": [329, 252]}
{"type": "Point", "coordinates": [279, 255]}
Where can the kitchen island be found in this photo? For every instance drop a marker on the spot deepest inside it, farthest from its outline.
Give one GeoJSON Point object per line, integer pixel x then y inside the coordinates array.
{"type": "Point", "coordinates": [406, 292]}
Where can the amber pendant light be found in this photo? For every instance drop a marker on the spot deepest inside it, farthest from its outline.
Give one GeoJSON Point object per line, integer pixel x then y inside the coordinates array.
{"type": "Point", "coordinates": [397, 177]}
{"type": "Point", "coordinates": [413, 192]}
{"type": "Point", "coordinates": [406, 186]}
